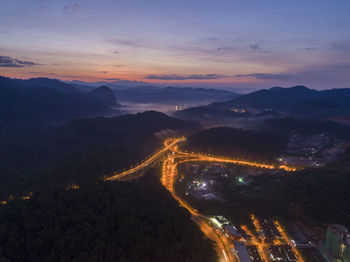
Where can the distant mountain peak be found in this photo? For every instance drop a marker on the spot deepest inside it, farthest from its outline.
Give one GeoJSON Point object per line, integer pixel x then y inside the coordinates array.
{"type": "Point", "coordinates": [300, 87]}
{"type": "Point", "coordinates": [105, 94]}
{"type": "Point", "coordinates": [103, 87]}
{"type": "Point", "coordinates": [295, 88]}
{"type": "Point", "coordinates": [275, 88]}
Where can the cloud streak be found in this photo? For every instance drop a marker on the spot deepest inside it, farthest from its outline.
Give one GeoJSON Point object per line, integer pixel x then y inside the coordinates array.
{"type": "Point", "coordinates": [112, 79]}
{"type": "Point", "coordinates": [265, 76]}
{"type": "Point", "coordinates": [6, 61]}
{"type": "Point", "coordinates": [184, 77]}
{"type": "Point", "coordinates": [319, 77]}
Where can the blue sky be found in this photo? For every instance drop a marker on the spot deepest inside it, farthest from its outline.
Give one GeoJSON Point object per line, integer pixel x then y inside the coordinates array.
{"type": "Point", "coordinates": [222, 43]}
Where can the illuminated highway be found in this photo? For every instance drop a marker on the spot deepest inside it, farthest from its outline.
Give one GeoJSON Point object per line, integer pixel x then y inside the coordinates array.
{"type": "Point", "coordinates": [168, 143]}
{"type": "Point", "coordinates": [206, 158]}
{"type": "Point", "coordinates": [223, 245]}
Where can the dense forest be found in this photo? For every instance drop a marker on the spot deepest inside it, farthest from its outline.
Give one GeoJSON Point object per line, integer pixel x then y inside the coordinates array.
{"type": "Point", "coordinates": [130, 221]}
{"type": "Point", "coordinates": [319, 194]}
{"type": "Point", "coordinates": [307, 127]}
{"type": "Point", "coordinates": [322, 194]}
{"type": "Point", "coordinates": [71, 214]}
{"type": "Point", "coordinates": [136, 220]}
{"type": "Point", "coordinates": [246, 144]}
{"type": "Point", "coordinates": [81, 151]}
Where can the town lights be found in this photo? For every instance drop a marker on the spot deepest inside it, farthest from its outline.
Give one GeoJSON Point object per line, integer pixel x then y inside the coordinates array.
{"type": "Point", "coordinates": [169, 172]}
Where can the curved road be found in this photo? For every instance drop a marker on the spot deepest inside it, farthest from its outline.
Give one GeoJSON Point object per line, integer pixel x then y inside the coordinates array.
{"type": "Point", "coordinates": [223, 245]}
{"type": "Point", "coordinates": [168, 143]}
{"type": "Point", "coordinates": [171, 142]}
{"type": "Point", "coordinates": [169, 172]}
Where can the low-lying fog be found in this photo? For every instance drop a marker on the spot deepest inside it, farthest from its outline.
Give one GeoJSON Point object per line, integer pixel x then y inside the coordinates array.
{"type": "Point", "coordinates": [133, 108]}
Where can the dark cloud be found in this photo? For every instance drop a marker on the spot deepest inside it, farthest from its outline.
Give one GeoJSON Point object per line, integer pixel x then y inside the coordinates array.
{"type": "Point", "coordinates": [69, 7]}
{"type": "Point", "coordinates": [72, 76]}
{"type": "Point", "coordinates": [267, 76]}
{"type": "Point", "coordinates": [189, 77]}
{"type": "Point", "coordinates": [119, 66]}
{"type": "Point", "coordinates": [112, 79]}
{"type": "Point", "coordinates": [225, 49]}
{"type": "Point", "coordinates": [41, 73]}
{"type": "Point", "coordinates": [6, 61]}
{"type": "Point", "coordinates": [130, 43]}
{"type": "Point", "coordinates": [104, 72]}
{"type": "Point", "coordinates": [255, 47]}
{"type": "Point", "coordinates": [311, 48]}
{"type": "Point", "coordinates": [133, 43]}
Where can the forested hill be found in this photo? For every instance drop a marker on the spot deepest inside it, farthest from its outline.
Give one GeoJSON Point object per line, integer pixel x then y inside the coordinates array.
{"type": "Point", "coordinates": [291, 125]}
{"type": "Point", "coordinates": [245, 144]}
{"type": "Point", "coordinates": [320, 193]}
{"type": "Point", "coordinates": [139, 133]}
{"type": "Point", "coordinates": [125, 222]}
{"type": "Point", "coordinates": [93, 220]}
{"type": "Point", "coordinates": [294, 101]}
{"type": "Point", "coordinates": [83, 150]}
{"type": "Point", "coordinates": [105, 95]}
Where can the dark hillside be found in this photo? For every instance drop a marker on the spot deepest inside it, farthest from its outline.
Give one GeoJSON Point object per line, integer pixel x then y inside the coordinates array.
{"type": "Point", "coordinates": [35, 101]}
{"type": "Point", "coordinates": [81, 151]}
{"type": "Point", "coordinates": [134, 221]}
{"type": "Point", "coordinates": [238, 143]}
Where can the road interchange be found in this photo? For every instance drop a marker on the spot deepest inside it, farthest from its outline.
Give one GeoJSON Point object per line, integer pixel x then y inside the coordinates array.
{"type": "Point", "coordinates": [174, 156]}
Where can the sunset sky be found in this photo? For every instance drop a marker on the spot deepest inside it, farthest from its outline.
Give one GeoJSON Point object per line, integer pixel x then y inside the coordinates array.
{"type": "Point", "coordinates": [242, 44]}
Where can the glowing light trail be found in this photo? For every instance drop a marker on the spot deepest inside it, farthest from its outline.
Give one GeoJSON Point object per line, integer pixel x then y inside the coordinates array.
{"type": "Point", "coordinates": [169, 172]}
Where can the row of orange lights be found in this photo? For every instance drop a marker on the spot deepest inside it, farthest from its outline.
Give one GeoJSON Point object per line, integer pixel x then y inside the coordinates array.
{"type": "Point", "coordinates": [169, 172]}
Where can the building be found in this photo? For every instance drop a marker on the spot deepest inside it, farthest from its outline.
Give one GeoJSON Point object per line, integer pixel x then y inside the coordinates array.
{"type": "Point", "coordinates": [289, 253]}
{"type": "Point", "coordinates": [254, 253]}
{"type": "Point", "coordinates": [276, 253]}
{"type": "Point", "coordinates": [245, 236]}
{"type": "Point", "coordinates": [232, 232]}
{"type": "Point", "coordinates": [242, 252]}
{"type": "Point", "coordinates": [220, 221]}
{"type": "Point", "coordinates": [269, 230]}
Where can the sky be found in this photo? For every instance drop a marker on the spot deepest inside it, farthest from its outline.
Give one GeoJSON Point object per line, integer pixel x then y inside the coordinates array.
{"type": "Point", "coordinates": [238, 44]}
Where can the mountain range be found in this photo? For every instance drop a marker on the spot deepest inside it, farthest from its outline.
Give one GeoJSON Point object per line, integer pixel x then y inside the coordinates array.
{"type": "Point", "coordinates": [140, 92]}
{"type": "Point", "coordinates": [294, 101]}
{"type": "Point", "coordinates": [172, 95]}
{"type": "Point", "coordinates": [48, 100]}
